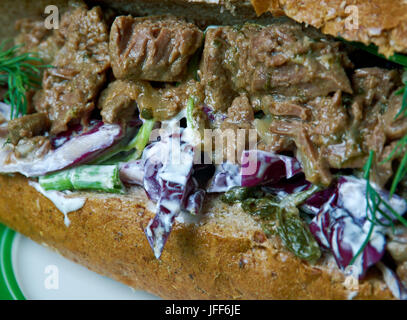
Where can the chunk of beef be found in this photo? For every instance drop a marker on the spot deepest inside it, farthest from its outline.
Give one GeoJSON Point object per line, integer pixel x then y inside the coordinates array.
{"type": "Point", "coordinates": [165, 103]}
{"type": "Point", "coordinates": [270, 141]}
{"type": "Point", "coordinates": [121, 98]}
{"type": "Point", "coordinates": [395, 128]}
{"type": "Point", "coordinates": [153, 48]}
{"type": "Point", "coordinates": [27, 126]}
{"type": "Point", "coordinates": [239, 119]}
{"type": "Point", "coordinates": [281, 58]}
{"type": "Point", "coordinates": [372, 85]}
{"type": "Point", "coordinates": [318, 134]}
{"type": "Point", "coordinates": [71, 88]}
{"type": "Point", "coordinates": [34, 37]}
{"type": "Point", "coordinates": [331, 132]}
{"type": "Point", "coordinates": [373, 88]}
{"type": "Point", "coordinates": [219, 92]}
{"type": "Point", "coordinates": [118, 101]}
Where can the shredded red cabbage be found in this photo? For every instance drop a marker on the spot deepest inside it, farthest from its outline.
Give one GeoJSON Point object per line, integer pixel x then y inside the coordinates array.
{"type": "Point", "coordinates": [81, 148]}
{"type": "Point", "coordinates": [73, 131]}
{"type": "Point", "coordinates": [314, 203]}
{"type": "Point", "coordinates": [194, 201]}
{"type": "Point", "coordinates": [209, 113]}
{"type": "Point", "coordinates": [226, 176]}
{"type": "Point", "coordinates": [258, 168]}
{"type": "Point", "coordinates": [342, 225]}
{"type": "Point", "coordinates": [168, 181]}
{"type": "Point", "coordinates": [261, 167]}
{"type": "Point", "coordinates": [285, 187]}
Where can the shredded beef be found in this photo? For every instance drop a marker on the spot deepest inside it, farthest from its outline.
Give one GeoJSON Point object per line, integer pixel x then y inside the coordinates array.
{"type": "Point", "coordinates": [155, 49]}
{"type": "Point", "coordinates": [281, 58]}
{"type": "Point", "coordinates": [342, 132]}
{"type": "Point", "coordinates": [284, 107]}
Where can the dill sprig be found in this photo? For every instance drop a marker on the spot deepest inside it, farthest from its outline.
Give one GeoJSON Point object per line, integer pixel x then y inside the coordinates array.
{"type": "Point", "coordinates": [403, 110]}
{"type": "Point", "coordinates": [20, 72]}
{"type": "Point", "coordinates": [375, 204]}
{"type": "Point", "coordinates": [402, 168]}
{"type": "Point", "coordinates": [398, 58]}
{"type": "Point", "coordinates": [402, 143]}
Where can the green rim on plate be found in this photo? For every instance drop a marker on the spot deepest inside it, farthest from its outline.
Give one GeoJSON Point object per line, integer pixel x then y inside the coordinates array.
{"type": "Point", "coordinates": [9, 289]}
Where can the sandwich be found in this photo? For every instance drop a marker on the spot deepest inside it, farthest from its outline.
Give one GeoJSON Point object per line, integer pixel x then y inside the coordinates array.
{"type": "Point", "coordinates": [212, 149]}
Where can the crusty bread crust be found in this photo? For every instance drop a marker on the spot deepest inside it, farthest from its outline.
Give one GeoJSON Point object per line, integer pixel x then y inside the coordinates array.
{"type": "Point", "coordinates": [225, 256]}
{"type": "Point", "coordinates": [381, 22]}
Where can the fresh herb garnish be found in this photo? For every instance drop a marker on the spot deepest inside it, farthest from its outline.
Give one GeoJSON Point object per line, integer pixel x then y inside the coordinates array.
{"type": "Point", "coordinates": [375, 204]}
{"type": "Point", "coordinates": [402, 168]}
{"type": "Point", "coordinates": [398, 58]}
{"type": "Point", "coordinates": [403, 110]}
{"type": "Point", "coordinates": [20, 73]}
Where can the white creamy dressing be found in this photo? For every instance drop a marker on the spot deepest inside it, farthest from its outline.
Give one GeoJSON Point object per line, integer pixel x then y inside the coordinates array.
{"type": "Point", "coordinates": [175, 151]}
{"type": "Point", "coordinates": [352, 236]}
{"type": "Point", "coordinates": [159, 243]}
{"type": "Point", "coordinates": [352, 195]}
{"type": "Point", "coordinates": [174, 122]}
{"type": "Point", "coordinates": [64, 203]}
{"type": "Point", "coordinates": [229, 171]}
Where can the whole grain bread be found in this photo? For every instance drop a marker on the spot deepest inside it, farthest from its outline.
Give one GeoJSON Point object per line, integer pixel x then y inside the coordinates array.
{"type": "Point", "coordinates": [224, 255]}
